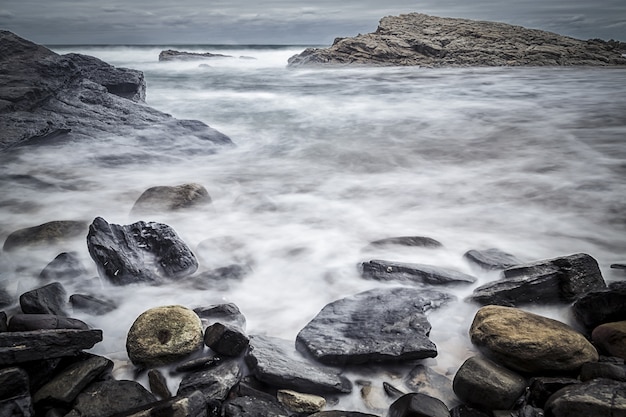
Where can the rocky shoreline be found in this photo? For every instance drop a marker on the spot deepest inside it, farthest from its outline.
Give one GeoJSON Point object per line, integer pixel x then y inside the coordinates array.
{"type": "Point", "coordinates": [420, 40]}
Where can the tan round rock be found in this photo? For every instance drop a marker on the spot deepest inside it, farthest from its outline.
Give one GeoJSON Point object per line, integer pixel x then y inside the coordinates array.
{"type": "Point", "coordinates": [611, 337]}
{"type": "Point", "coordinates": [299, 402]}
{"type": "Point", "coordinates": [163, 335]}
{"type": "Point", "coordinates": [528, 342]}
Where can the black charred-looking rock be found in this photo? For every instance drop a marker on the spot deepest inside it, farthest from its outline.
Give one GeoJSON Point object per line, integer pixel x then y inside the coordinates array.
{"type": "Point", "coordinates": [18, 347]}
{"type": "Point", "coordinates": [599, 307]}
{"type": "Point", "coordinates": [274, 362]}
{"type": "Point", "coordinates": [491, 259]}
{"type": "Point", "coordinates": [49, 299]}
{"type": "Point", "coordinates": [416, 241]}
{"type": "Point", "coordinates": [215, 383]}
{"type": "Point", "coordinates": [192, 405]}
{"type": "Point", "coordinates": [225, 340]}
{"type": "Point", "coordinates": [15, 397]}
{"type": "Point", "coordinates": [109, 397]}
{"type": "Point", "coordinates": [427, 274]}
{"type": "Point", "coordinates": [140, 252]}
{"type": "Point", "coordinates": [254, 407]}
{"type": "Point", "coordinates": [598, 397]}
{"type": "Point", "coordinates": [224, 313]}
{"type": "Point", "coordinates": [26, 322]}
{"type": "Point", "coordinates": [418, 405]}
{"type": "Point", "coordinates": [172, 55]}
{"type": "Point", "coordinates": [558, 280]}
{"type": "Point", "coordinates": [542, 388]}
{"type": "Point", "coordinates": [158, 384]}
{"type": "Point", "coordinates": [90, 304]}
{"type": "Point", "coordinates": [66, 265]}
{"type": "Point", "coordinates": [50, 233]}
{"type": "Point", "coordinates": [373, 326]}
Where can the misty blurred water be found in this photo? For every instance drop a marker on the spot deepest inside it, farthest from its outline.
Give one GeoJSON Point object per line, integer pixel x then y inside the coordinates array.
{"type": "Point", "coordinates": [528, 160]}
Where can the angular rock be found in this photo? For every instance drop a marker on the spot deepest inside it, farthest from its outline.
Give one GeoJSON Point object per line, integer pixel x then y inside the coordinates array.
{"type": "Point", "coordinates": [274, 362]}
{"type": "Point", "coordinates": [542, 388]}
{"type": "Point", "coordinates": [158, 384]}
{"type": "Point", "coordinates": [19, 347]}
{"type": "Point", "coordinates": [66, 265]}
{"type": "Point", "coordinates": [598, 397]}
{"type": "Point", "coordinates": [172, 55]}
{"type": "Point", "coordinates": [171, 198]}
{"type": "Point", "coordinates": [254, 407]}
{"type": "Point", "coordinates": [424, 380]}
{"type": "Point", "coordinates": [214, 383]}
{"type": "Point", "coordinates": [48, 97]}
{"type": "Point", "coordinates": [90, 304]}
{"type": "Point", "coordinates": [224, 313]}
{"type": "Point", "coordinates": [373, 326]}
{"type": "Point", "coordinates": [418, 405]}
{"type": "Point", "coordinates": [599, 307]}
{"type": "Point", "coordinates": [491, 259]}
{"type": "Point", "coordinates": [528, 342]}
{"type": "Point", "coordinates": [65, 386]}
{"type": "Point", "coordinates": [50, 233]}
{"type": "Point", "coordinates": [558, 280]}
{"type": "Point", "coordinates": [15, 397]}
{"type": "Point", "coordinates": [192, 405]}
{"type": "Point", "coordinates": [594, 370]}
{"type": "Point", "coordinates": [611, 338]}
{"type": "Point", "coordinates": [110, 397]}
{"type": "Point", "coordinates": [486, 384]}
{"type": "Point", "coordinates": [419, 273]}
{"type": "Point", "coordinates": [418, 241]}
{"type": "Point", "coordinates": [163, 335]}
{"type": "Point", "coordinates": [49, 299]}
{"type": "Point", "coordinates": [422, 40]}
{"type": "Point", "coordinates": [225, 340]}
{"type": "Point", "coordinates": [26, 322]}
{"type": "Point", "coordinates": [141, 252]}
{"type": "Point", "coordinates": [198, 364]}
{"type": "Point", "coordinates": [3, 322]}
{"type": "Point", "coordinates": [299, 402]}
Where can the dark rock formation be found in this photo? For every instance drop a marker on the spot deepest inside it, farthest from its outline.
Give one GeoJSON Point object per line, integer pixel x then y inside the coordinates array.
{"type": "Point", "coordinates": [599, 307]}
{"type": "Point", "coordinates": [373, 326]}
{"type": "Point", "coordinates": [611, 338]}
{"type": "Point", "coordinates": [158, 384]}
{"type": "Point", "coordinates": [464, 410]}
{"type": "Point", "coordinates": [491, 259]}
{"type": "Point", "coordinates": [141, 252]}
{"type": "Point", "coordinates": [66, 265]}
{"type": "Point", "coordinates": [3, 322]}
{"type": "Point", "coordinates": [416, 241]}
{"type": "Point", "coordinates": [219, 278]}
{"type": "Point", "coordinates": [542, 388]}
{"type": "Point", "coordinates": [198, 364]}
{"type": "Point", "coordinates": [90, 304]}
{"type": "Point", "coordinates": [49, 299]}
{"type": "Point", "coordinates": [214, 383]}
{"type": "Point", "coordinates": [15, 397]}
{"type": "Point", "coordinates": [192, 405]}
{"type": "Point", "coordinates": [254, 407]}
{"type": "Point", "coordinates": [109, 397]}
{"type": "Point", "coordinates": [47, 97]}
{"type": "Point", "coordinates": [418, 405]}
{"type": "Point", "coordinates": [594, 370]}
{"type": "Point", "coordinates": [26, 322]}
{"type": "Point", "coordinates": [274, 362]}
{"type": "Point", "coordinates": [418, 273]}
{"type": "Point", "coordinates": [224, 313]}
{"type": "Point", "coordinates": [418, 39]}
{"type": "Point", "coordinates": [225, 340]}
{"type": "Point", "coordinates": [424, 380]}
{"type": "Point", "coordinates": [172, 55]}
{"type": "Point", "coordinates": [171, 198]}
{"type": "Point", "coordinates": [45, 234]}
{"type": "Point", "coordinates": [598, 397]}
{"type": "Point", "coordinates": [558, 280]}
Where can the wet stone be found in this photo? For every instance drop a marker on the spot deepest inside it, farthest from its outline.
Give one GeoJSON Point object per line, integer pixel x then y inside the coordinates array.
{"type": "Point", "coordinates": [254, 407]}
{"type": "Point", "coordinates": [414, 241]}
{"type": "Point", "coordinates": [26, 322]}
{"type": "Point", "coordinates": [192, 405]}
{"type": "Point", "coordinates": [109, 397]}
{"type": "Point", "coordinates": [49, 299]}
{"type": "Point", "coordinates": [50, 233]}
{"type": "Point", "coordinates": [158, 384]}
{"type": "Point", "coordinates": [599, 307]}
{"type": "Point", "coordinates": [215, 383]}
{"type": "Point", "coordinates": [171, 198]}
{"type": "Point", "coordinates": [418, 405]}
{"type": "Point", "coordinates": [491, 259]}
{"type": "Point", "coordinates": [15, 397]}
{"type": "Point", "coordinates": [417, 273]}
{"type": "Point", "coordinates": [224, 313]}
{"type": "Point", "coordinates": [598, 397]}
{"type": "Point", "coordinates": [66, 265]}
{"type": "Point", "coordinates": [225, 340]}
{"type": "Point", "coordinates": [91, 304]}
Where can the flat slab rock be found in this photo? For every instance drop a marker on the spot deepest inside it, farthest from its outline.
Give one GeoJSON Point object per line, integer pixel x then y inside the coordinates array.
{"type": "Point", "coordinates": [417, 273]}
{"type": "Point", "coordinates": [275, 362]}
{"type": "Point", "coordinates": [379, 325]}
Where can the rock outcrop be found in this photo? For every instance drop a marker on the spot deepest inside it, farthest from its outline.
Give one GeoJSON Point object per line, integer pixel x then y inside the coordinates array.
{"type": "Point", "coordinates": [421, 40]}
{"type": "Point", "coordinates": [45, 96]}
{"type": "Point", "coordinates": [173, 55]}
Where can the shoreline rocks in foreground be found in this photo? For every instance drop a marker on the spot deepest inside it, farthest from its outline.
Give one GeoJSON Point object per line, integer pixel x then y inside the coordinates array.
{"type": "Point", "coordinates": [417, 39]}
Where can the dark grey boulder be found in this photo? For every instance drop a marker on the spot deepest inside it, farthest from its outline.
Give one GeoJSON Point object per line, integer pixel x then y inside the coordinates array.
{"type": "Point", "coordinates": [484, 383]}
{"type": "Point", "coordinates": [598, 397]}
{"type": "Point", "coordinates": [593, 370]}
{"type": "Point", "coordinates": [225, 340]}
{"type": "Point", "coordinates": [491, 259]}
{"type": "Point", "coordinates": [66, 265]}
{"type": "Point", "coordinates": [171, 198]}
{"type": "Point", "coordinates": [50, 233]}
{"type": "Point", "coordinates": [92, 305]}
{"type": "Point", "coordinates": [414, 241]}
{"type": "Point", "coordinates": [141, 252]}
{"type": "Point", "coordinates": [380, 325]}
{"type": "Point", "coordinates": [109, 397]}
{"type": "Point", "coordinates": [192, 405]}
{"type": "Point", "coordinates": [599, 307]}
{"type": "Point", "coordinates": [15, 400]}
{"type": "Point", "coordinates": [418, 273]}
{"type": "Point", "coordinates": [275, 362]}
{"type": "Point", "coordinates": [49, 299]}
{"type": "Point", "coordinates": [197, 364]}
{"type": "Point", "coordinates": [542, 388]}
{"type": "Point", "coordinates": [418, 405]}
{"type": "Point", "coordinates": [254, 407]}
{"type": "Point", "coordinates": [558, 280]}
{"type": "Point", "coordinates": [158, 384]}
{"type": "Point", "coordinates": [424, 380]}
{"type": "Point", "coordinates": [224, 313]}
{"type": "Point", "coordinates": [173, 55]}
{"type": "Point", "coordinates": [215, 383]}
{"type": "Point", "coordinates": [26, 322]}
{"type": "Point", "coordinates": [65, 386]}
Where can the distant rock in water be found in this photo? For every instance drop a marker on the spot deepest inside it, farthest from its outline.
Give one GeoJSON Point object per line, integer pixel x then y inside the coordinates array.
{"type": "Point", "coordinates": [172, 55]}
{"type": "Point", "coordinates": [422, 40]}
{"type": "Point", "coordinates": [47, 97]}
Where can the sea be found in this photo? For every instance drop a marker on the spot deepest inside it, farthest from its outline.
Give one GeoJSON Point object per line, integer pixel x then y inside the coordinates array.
{"type": "Point", "coordinates": [531, 161]}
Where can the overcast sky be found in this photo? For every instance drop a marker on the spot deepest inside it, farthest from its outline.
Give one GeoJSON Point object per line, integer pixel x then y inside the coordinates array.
{"type": "Point", "coordinates": [282, 21]}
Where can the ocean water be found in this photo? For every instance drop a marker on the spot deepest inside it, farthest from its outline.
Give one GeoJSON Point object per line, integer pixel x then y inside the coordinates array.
{"type": "Point", "coordinates": [528, 160]}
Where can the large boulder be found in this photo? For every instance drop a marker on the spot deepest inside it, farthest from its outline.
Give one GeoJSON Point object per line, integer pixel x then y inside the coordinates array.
{"type": "Point", "coordinates": [163, 335]}
{"type": "Point", "coordinates": [598, 397]}
{"type": "Point", "coordinates": [598, 307]}
{"type": "Point", "coordinates": [530, 343]}
{"type": "Point", "coordinates": [558, 280]}
{"type": "Point", "coordinates": [141, 252]}
{"type": "Point", "coordinates": [387, 324]}
{"type": "Point", "coordinates": [422, 40]}
{"type": "Point", "coordinates": [417, 273]}
{"type": "Point", "coordinates": [46, 97]}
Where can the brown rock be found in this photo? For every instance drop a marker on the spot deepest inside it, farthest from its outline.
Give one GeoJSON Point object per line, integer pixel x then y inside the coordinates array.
{"type": "Point", "coordinates": [611, 337]}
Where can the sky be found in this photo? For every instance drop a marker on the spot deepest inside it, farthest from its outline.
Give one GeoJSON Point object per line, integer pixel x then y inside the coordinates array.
{"type": "Point", "coordinates": [54, 22]}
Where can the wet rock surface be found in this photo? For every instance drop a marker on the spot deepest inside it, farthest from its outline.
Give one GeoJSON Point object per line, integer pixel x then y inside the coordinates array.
{"type": "Point", "coordinates": [171, 198]}
{"type": "Point", "coordinates": [491, 259]}
{"type": "Point", "coordinates": [598, 397]}
{"type": "Point", "coordinates": [417, 273]}
{"type": "Point", "coordinates": [48, 233]}
{"type": "Point", "coordinates": [173, 55]}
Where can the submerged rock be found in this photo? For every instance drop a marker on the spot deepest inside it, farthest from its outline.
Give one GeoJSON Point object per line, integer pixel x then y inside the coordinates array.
{"type": "Point", "coordinates": [419, 39]}
{"type": "Point", "coordinates": [171, 198]}
{"type": "Point", "coordinates": [49, 233]}
{"type": "Point", "coordinates": [373, 326]}
{"type": "Point", "coordinates": [491, 259]}
{"type": "Point", "coordinates": [92, 305]}
{"type": "Point", "coordinates": [172, 55]}
{"type": "Point", "coordinates": [66, 265]}
{"type": "Point", "coordinates": [418, 273]}
{"type": "Point", "coordinates": [141, 252]}
{"type": "Point", "coordinates": [415, 241]}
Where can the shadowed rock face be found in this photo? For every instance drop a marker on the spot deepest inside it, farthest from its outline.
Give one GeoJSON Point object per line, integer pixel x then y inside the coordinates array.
{"type": "Point", "coordinates": [45, 96]}
{"type": "Point", "coordinates": [422, 40]}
